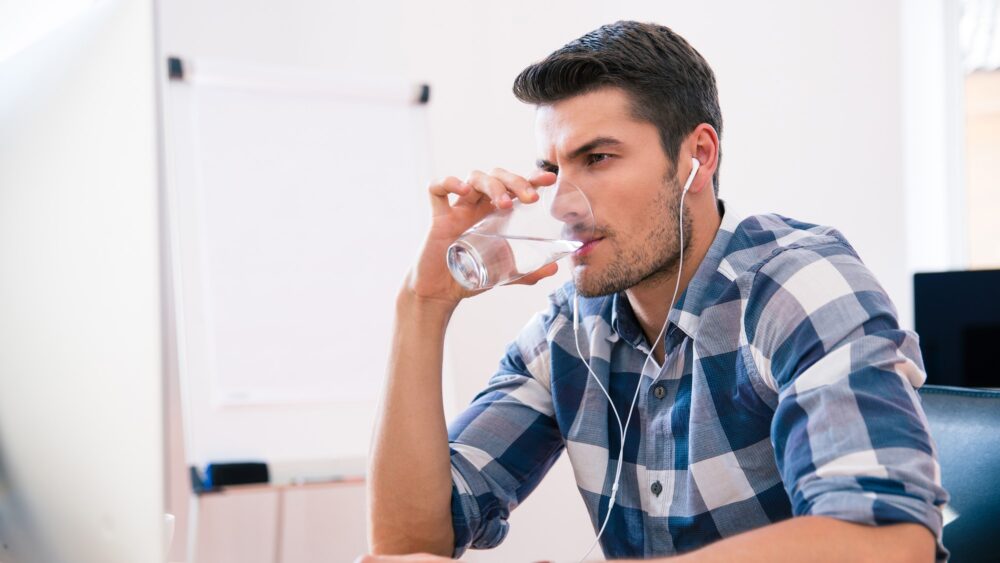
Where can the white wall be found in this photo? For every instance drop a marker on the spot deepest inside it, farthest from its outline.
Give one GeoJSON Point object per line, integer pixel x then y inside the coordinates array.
{"type": "Point", "coordinates": [811, 95]}
{"type": "Point", "coordinates": [933, 136]}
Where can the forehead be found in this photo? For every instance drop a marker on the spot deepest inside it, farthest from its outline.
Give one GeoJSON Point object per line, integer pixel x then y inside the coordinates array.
{"type": "Point", "coordinates": [564, 125]}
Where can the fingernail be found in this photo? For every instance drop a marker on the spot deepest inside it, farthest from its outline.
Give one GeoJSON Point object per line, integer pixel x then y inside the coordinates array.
{"type": "Point", "coordinates": [532, 191]}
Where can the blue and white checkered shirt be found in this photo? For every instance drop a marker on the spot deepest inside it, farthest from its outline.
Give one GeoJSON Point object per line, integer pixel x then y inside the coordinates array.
{"type": "Point", "coordinates": [787, 389]}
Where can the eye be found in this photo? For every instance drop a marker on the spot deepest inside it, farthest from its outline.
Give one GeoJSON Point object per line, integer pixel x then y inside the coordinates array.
{"type": "Point", "coordinates": [595, 158]}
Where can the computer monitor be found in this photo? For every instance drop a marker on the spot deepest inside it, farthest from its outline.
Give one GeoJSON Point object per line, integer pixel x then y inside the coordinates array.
{"type": "Point", "coordinates": [957, 315]}
{"type": "Point", "coordinates": [81, 293]}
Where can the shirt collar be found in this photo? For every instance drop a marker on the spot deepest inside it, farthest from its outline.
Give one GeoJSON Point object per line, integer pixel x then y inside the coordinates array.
{"type": "Point", "coordinates": [686, 313]}
{"type": "Point", "coordinates": [623, 321]}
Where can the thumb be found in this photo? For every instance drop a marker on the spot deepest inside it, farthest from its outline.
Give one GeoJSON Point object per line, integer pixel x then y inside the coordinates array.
{"type": "Point", "coordinates": [534, 277]}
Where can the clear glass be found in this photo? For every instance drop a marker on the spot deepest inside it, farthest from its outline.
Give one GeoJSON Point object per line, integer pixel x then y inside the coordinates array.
{"type": "Point", "coordinates": [512, 243]}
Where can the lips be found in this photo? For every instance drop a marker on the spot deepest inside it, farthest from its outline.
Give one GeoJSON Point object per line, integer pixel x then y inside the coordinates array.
{"type": "Point", "coordinates": [588, 247]}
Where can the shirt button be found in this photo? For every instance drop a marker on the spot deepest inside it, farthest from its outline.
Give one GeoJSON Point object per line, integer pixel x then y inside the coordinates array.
{"type": "Point", "coordinates": [656, 487]}
{"type": "Point", "coordinates": [658, 391]}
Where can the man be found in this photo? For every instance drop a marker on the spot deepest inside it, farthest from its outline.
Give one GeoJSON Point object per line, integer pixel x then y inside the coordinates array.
{"type": "Point", "coordinates": [776, 418]}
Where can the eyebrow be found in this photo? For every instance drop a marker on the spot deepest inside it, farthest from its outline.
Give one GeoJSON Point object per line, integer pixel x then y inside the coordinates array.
{"type": "Point", "coordinates": [581, 150]}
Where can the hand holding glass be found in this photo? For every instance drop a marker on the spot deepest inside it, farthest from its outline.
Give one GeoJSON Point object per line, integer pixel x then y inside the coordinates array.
{"type": "Point", "coordinates": [512, 243]}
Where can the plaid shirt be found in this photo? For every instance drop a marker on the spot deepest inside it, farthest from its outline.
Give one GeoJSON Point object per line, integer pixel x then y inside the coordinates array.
{"type": "Point", "coordinates": [787, 389]}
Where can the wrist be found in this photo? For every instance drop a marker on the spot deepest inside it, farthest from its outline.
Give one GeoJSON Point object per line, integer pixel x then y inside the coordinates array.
{"type": "Point", "coordinates": [410, 304]}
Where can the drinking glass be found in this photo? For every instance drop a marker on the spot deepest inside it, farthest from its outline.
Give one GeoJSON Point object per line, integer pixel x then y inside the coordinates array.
{"type": "Point", "coordinates": [512, 243]}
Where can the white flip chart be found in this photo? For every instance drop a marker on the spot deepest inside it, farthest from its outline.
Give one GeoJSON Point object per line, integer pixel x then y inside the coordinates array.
{"type": "Point", "coordinates": [296, 202]}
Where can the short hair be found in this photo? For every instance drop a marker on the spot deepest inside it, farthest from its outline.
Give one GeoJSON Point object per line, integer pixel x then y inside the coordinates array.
{"type": "Point", "coordinates": [670, 84]}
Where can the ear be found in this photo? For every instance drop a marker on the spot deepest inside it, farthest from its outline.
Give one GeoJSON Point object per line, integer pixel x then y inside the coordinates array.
{"type": "Point", "coordinates": [703, 144]}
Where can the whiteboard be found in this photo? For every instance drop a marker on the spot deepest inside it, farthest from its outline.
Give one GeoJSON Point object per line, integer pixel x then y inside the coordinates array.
{"type": "Point", "coordinates": [296, 203]}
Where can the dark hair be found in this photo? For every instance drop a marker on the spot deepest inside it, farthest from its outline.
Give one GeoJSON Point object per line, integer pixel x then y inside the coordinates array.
{"type": "Point", "coordinates": [669, 82]}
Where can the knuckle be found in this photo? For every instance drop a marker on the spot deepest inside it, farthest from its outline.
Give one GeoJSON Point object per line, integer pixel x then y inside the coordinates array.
{"type": "Point", "coordinates": [438, 184]}
{"type": "Point", "coordinates": [494, 185]}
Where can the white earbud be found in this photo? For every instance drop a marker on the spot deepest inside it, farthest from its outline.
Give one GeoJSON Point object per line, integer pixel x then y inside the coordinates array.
{"type": "Point", "coordinates": [622, 428]}
{"type": "Point", "coordinates": [695, 165]}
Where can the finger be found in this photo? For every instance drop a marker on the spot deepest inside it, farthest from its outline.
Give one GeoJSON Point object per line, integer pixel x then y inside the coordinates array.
{"type": "Point", "coordinates": [439, 193]}
{"type": "Point", "coordinates": [493, 188]}
{"type": "Point", "coordinates": [542, 178]}
{"type": "Point", "coordinates": [516, 184]}
{"type": "Point", "coordinates": [539, 274]}
{"type": "Point", "coordinates": [449, 185]}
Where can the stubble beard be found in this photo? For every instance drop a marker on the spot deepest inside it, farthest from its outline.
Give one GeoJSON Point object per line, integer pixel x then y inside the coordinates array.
{"type": "Point", "coordinates": [649, 257]}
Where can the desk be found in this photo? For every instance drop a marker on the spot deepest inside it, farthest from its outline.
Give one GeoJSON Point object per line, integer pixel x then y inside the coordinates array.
{"type": "Point", "coordinates": [282, 523]}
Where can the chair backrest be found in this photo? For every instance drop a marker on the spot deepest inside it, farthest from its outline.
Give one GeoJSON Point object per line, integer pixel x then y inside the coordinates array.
{"type": "Point", "coordinates": [965, 424]}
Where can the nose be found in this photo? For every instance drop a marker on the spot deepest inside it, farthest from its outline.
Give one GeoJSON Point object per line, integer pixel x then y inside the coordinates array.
{"type": "Point", "coordinates": [570, 206]}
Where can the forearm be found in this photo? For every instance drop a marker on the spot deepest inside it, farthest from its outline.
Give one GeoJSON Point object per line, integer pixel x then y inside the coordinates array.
{"type": "Point", "coordinates": [820, 539]}
{"type": "Point", "coordinates": [409, 487]}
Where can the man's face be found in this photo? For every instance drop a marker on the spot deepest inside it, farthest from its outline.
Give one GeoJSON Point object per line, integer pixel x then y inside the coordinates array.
{"type": "Point", "coordinates": [594, 142]}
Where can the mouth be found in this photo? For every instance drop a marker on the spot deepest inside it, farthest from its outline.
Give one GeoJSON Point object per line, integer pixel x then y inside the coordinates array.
{"type": "Point", "coordinates": [588, 247]}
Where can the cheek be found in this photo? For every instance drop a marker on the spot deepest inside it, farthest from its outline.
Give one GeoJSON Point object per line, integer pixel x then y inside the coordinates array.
{"type": "Point", "coordinates": [629, 204]}
{"type": "Point", "coordinates": [625, 218]}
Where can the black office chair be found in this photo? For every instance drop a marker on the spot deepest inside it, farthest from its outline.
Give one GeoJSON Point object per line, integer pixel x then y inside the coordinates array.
{"type": "Point", "coordinates": [965, 424]}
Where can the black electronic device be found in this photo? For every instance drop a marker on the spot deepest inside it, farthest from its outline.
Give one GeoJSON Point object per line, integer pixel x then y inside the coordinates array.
{"type": "Point", "coordinates": [957, 315]}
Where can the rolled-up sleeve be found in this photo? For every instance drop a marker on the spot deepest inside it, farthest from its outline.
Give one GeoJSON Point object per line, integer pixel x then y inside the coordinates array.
{"type": "Point", "coordinates": [850, 437]}
{"type": "Point", "coordinates": [505, 441]}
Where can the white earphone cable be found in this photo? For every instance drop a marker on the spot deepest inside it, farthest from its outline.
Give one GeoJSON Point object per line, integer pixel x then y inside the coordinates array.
{"type": "Point", "coordinates": [623, 428]}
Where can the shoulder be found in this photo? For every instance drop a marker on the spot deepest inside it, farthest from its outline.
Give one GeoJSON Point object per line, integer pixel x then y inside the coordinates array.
{"type": "Point", "coordinates": [531, 352]}
{"type": "Point", "coordinates": [810, 265]}
{"type": "Point", "coordinates": [534, 339]}
{"type": "Point", "coordinates": [758, 239]}
{"type": "Point", "coordinates": [770, 251]}
{"type": "Point", "coordinates": [806, 298]}
{"type": "Point", "coordinates": [553, 325]}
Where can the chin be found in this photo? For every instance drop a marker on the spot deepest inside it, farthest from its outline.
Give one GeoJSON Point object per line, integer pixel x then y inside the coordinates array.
{"type": "Point", "coordinates": [587, 283]}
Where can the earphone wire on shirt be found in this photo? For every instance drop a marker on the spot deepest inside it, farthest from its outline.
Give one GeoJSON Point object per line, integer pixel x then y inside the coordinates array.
{"type": "Point", "coordinates": [695, 164]}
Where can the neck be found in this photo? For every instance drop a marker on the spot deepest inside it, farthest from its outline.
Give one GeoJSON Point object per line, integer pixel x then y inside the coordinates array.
{"type": "Point", "coordinates": [651, 299]}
